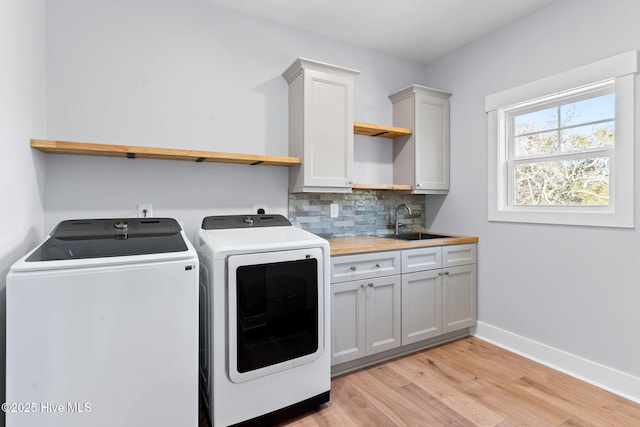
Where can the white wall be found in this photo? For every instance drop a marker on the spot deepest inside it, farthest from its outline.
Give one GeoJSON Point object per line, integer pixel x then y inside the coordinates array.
{"type": "Point", "coordinates": [22, 114]}
{"type": "Point", "coordinates": [575, 289]}
{"type": "Point", "coordinates": [183, 74]}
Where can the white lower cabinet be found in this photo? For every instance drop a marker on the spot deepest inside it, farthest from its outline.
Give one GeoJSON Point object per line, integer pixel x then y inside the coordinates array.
{"type": "Point", "coordinates": [347, 322]}
{"type": "Point", "coordinates": [435, 302]}
{"type": "Point", "coordinates": [383, 309]}
{"type": "Point", "coordinates": [421, 306]}
{"type": "Point", "coordinates": [459, 300]}
{"type": "Point", "coordinates": [366, 318]}
{"type": "Point", "coordinates": [382, 313]}
{"type": "Point", "coordinates": [365, 313]}
{"type": "Point", "coordinates": [439, 293]}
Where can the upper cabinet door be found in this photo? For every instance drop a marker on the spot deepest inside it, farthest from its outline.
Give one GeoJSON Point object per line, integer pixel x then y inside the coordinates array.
{"type": "Point", "coordinates": [320, 126]}
{"type": "Point", "coordinates": [328, 135]}
{"type": "Point", "coordinates": [421, 160]}
{"type": "Point", "coordinates": [432, 145]}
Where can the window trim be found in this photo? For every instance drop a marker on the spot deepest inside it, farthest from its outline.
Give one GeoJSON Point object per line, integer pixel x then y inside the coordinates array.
{"type": "Point", "coordinates": [620, 211]}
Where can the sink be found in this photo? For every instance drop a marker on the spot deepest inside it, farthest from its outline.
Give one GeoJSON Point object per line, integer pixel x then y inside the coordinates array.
{"type": "Point", "coordinates": [417, 236]}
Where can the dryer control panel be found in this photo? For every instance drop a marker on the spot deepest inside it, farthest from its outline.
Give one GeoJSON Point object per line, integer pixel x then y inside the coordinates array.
{"type": "Point", "coordinates": [243, 221]}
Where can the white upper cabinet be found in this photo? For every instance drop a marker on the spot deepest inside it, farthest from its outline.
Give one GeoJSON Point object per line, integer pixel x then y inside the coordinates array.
{"type": "Point", "coordinates": [421, 160]}
{"type": "Point", "coordinates": [320, 126]}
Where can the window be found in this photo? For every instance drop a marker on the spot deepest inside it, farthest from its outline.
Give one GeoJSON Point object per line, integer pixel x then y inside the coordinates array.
{"type": "Point", "coordinates": [561, 149]}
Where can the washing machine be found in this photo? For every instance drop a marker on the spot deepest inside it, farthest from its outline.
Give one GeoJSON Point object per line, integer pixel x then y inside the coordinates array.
{"type": "Point", "coordinates": [264, 319]}
{"type": "Point", "coordinates": [102, 327]}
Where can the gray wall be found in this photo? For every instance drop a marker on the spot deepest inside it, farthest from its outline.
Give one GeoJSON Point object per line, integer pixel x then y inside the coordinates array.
{"type": "Point", "coordinates": [572, 288]}
{"type": "Point", "coordinates": [185, 74]}
{"type": "Point", "coordinates": [22, 114]}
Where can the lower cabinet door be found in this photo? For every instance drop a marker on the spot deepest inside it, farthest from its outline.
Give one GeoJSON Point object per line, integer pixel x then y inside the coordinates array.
{"type": "Point", "coordinates": [347, 321]}
{"type": "Point", "coordinates": [383, 313]}
{"type": "Point", "coordinates": [459, 301]}
{"type": "Point", "coordinates": [421, 305]}
{"type": "Point", "coordinates": [365, 317]}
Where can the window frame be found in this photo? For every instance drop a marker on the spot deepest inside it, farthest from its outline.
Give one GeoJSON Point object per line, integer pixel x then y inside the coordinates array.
{"type": "Point", "coordinates": [619, 71]}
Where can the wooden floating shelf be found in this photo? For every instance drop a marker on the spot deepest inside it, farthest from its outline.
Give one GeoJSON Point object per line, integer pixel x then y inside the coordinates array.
{"type": "Point", "coordinates": [394, 187]}
{"type": "Point", "coordinates": [134, 152]}
{"type": "Point", "coordinates": [369, 129]}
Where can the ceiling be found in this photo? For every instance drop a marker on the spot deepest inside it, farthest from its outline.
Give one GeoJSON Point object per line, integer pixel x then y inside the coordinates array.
{"type": "Point", "coordinates": [417, 30]}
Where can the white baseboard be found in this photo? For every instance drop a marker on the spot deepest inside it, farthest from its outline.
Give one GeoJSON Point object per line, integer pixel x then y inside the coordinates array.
{"type": "Point", "coordinates": [612, 380]}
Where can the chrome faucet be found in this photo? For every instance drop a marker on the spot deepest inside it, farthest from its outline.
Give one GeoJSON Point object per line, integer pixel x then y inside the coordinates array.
{"type": "Point", "coordinates": [397, 211]}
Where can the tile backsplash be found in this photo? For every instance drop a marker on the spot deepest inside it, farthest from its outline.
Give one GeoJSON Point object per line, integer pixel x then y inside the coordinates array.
{"type": "Point", "coordinates": [360, 213]}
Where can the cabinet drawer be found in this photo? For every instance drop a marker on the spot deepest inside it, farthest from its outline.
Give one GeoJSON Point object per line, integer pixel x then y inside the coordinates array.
{"type": "Point", "coordinates": [458, 255]}
{"type": "Point", "coordinates": [363, 266]}
{"type": "Point", "coordinates": [421, 259]}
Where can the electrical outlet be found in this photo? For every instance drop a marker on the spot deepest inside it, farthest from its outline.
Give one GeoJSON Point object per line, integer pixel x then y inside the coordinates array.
{"type": "Point", "coordinates": [259, 209]}
{"type": "Point", "coordinates": [334, 210]}
{"type": "Point", "coordinates": [145, 210]}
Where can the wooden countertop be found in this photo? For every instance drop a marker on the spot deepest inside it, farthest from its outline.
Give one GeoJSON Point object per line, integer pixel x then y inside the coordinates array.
{"type": "Point", "coordinates": [363, 244]}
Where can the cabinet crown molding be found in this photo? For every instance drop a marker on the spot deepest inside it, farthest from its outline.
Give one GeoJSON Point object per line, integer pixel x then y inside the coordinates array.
{"type": "Point", "coordinates": [303, 63]}
{"type": "Point", "coordinates": [418, 89]}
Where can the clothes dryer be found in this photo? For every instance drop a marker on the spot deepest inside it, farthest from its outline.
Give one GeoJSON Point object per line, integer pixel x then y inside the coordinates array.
{"type": "Point", "coordinates": [264, 322]}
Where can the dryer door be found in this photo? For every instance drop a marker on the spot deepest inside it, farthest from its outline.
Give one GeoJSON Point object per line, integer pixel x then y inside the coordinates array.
{"type": "Point", "coordinates": [275, 311]}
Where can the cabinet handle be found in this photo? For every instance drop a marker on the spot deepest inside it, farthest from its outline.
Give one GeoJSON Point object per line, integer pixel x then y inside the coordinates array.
{"type": "Point", "coordinates": [418, 185]}
{"type": "Point", "coordinates": [377, 265]}
{"type": "Point", "coordinates": [441, 274]}
{"type": "Point", "coordinates": [370, 285]}
{"type": "Point", "coordinates": [353, 268]}
{"type": "Point", "coordinates": [446, 273]}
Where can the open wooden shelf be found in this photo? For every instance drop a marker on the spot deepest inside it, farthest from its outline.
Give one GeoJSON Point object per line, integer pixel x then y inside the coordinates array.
{"type": "Point", "coordinates": [369, 129]}
{"type": "Point", "coordinates": [394, 187]}
{"type": "Point", "coordinates": [134, 152]}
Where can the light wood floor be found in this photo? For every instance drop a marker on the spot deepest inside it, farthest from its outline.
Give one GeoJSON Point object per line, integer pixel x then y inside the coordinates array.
{"type": "Point", "coordinates": [468, 382]}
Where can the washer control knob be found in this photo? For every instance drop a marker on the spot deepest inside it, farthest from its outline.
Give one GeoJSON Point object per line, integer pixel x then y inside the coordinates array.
{"type": "Point", "coordinates": [121, 225]}
{"type": "Point", "coordinates": [248, 220]}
